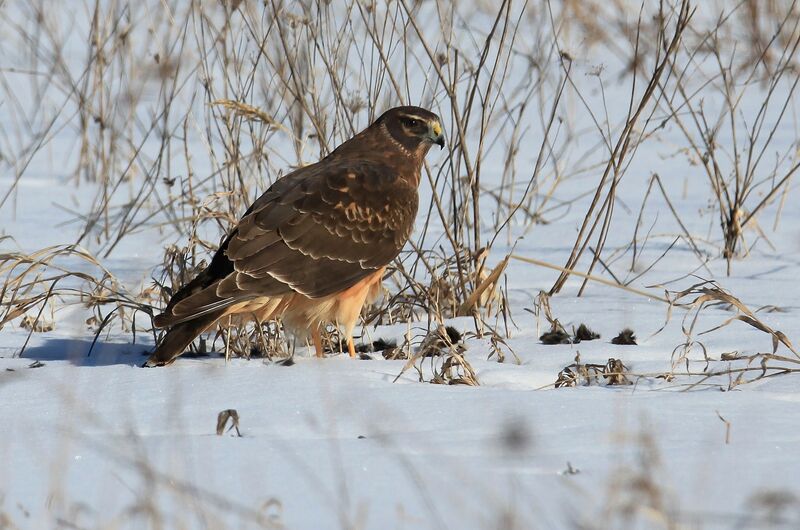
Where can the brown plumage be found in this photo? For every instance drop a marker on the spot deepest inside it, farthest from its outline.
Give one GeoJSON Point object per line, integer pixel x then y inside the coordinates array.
{"type": "Point", "coordinates": [313, 248]}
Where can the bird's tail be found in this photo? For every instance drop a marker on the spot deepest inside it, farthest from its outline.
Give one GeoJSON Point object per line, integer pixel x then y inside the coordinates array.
{"type": "Point", "coordinates": [179, 337]}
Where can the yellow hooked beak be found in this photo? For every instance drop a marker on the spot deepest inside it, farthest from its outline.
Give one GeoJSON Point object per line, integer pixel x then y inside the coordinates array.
{"type": "Point", "coordinates": [435, 133]}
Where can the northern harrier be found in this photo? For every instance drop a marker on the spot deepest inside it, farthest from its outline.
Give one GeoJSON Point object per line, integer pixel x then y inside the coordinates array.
{"type": "Point", "coordinates": [313, 248]}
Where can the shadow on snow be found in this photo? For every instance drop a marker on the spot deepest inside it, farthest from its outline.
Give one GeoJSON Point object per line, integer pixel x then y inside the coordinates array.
{"type": "Point", "coordinates": [77, 352]}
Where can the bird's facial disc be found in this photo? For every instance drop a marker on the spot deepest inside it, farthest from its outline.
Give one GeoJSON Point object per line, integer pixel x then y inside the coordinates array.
{"type": "Point", "coordinates": [425, 129]}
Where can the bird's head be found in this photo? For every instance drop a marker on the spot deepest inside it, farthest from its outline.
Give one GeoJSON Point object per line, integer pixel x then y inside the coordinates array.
{"type": "Point", "coordinates": [414, 128]}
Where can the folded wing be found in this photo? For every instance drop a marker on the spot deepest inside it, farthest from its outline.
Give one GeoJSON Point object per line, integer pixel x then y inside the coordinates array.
{"type": "Point", "coordinates": [316, 231]}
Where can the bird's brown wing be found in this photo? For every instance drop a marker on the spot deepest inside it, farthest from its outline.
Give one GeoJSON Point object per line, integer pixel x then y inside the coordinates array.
{"type": "Point", "coordinates": [317, 231]}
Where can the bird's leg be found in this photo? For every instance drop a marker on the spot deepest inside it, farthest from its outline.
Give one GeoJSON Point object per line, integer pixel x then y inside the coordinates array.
{"type": "Point", "coordinates": [317, 339]}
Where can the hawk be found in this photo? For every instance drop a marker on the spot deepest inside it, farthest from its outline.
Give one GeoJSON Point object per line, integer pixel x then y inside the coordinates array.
{"type": "Point", "coordinates": [313, 248]}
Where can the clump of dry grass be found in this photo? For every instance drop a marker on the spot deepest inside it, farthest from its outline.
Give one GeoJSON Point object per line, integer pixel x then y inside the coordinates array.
{"type": "Point", "coordinates": [333, 342]}
{"type": "Point", "coordinates": [441, 352]}
{"type": "Point", "coordinates": [252, 341]}
{"type": "Point", "coordinates": [698, 299]}
{"type": "Point", "coordinates": [37, 325]}
{"type": "Point", "coordinates": [708, 294]}
{"type": "Point", "coordinates": [756, 87]}
{"type": "Point", "coordinates": [613, 373]}
{"type": "Point", "coordinates": [34, 282]}
{"type": "Point", "coordinates": [583, 333]}
{"type": "Point", "coordinates": [557, 334]}
{"type": "Point", "coordinates": [626, 337]}
{"type": "Point", "coordinates": [729, 370]}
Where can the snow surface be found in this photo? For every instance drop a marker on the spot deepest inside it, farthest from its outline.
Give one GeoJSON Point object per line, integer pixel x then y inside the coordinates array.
{"type": "Point", "coordinates": [97, 442]}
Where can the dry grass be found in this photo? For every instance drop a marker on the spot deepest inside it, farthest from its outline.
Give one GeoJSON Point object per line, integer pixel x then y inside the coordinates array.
{"type": "Point", "coordinates": [38, 281]}
{"type": "Point", "coordinates": [667, 42]}
{"type": "Point", "coordinates": [439, 358]}
{"type": "Point", "coordinates": [249, 91]}
{"type": "Point", "coordinates": [709, 294]}
{"type": "Point", "coordinates": [614, 372]}
{"type": "Point", "coordinates": [183, 113]}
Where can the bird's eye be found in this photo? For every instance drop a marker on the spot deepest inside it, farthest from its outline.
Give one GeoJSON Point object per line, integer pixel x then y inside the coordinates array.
{"type": "Point", "coordinates": [411, 122]}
